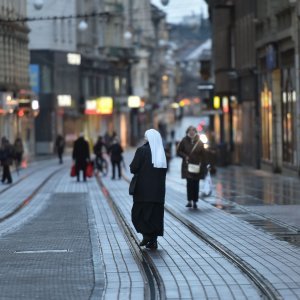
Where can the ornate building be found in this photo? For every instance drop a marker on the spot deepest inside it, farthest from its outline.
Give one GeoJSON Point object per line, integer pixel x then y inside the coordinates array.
{"type": "Point", "coordinates": [15, 98]}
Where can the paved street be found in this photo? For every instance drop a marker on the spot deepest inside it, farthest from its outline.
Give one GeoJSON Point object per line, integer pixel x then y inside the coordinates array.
{"type": "Point", "coordinates": [65, 242]}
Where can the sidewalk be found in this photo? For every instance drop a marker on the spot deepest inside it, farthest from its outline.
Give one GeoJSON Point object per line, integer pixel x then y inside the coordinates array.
{"type": "Point", "coordinates": [67, 239]}
{"type": "Point", "coordinates": [276, 260]}
{"type": "Point", "coordinates": [65, 243]}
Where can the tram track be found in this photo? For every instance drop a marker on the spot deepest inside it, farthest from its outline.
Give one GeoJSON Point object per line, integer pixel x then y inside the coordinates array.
{"type": "Point", "coordinates": [28, 199]}
{"type": "Point", "coordinates": [154, 287]}
{"type": "Point", "coordinates": [263, 285]}
{"type": "Point", "coordinates": [276, 227]}
{"type": "Point", "coordinates": [19, 180]}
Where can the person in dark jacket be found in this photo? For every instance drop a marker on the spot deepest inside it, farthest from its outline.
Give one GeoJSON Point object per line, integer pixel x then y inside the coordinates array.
{"type": "Point", "coordinates": [6, 158]}
{"type": "Point", "coordinates": [81, 156]}
{"type": "Point", "coordinates": [150, 166]}
{"type": "Point", "coordinates": [18, 152]}
{"type": "Point", "coordinates": [191, 150]}
{"type": "Point", "coordinates": [59, 147]}
{"type": "Point", "coordinates": [99, 148]}
{"type": "Point", "coordinates": [115, 151]}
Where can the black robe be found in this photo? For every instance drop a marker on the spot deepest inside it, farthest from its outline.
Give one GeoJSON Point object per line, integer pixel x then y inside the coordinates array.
{"type": "Point", "coordinates": [149, 197]}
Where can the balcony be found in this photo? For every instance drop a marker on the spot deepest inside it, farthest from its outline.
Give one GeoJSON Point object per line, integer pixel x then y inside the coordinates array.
{"type": "Point", "coordinates": [113, 8]}
{"type": "Point", "coordinates": [117, 53]}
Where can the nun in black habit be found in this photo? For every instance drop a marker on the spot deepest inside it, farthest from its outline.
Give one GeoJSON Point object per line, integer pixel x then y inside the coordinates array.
{"type": "Point", "coordinates": [150, 166]}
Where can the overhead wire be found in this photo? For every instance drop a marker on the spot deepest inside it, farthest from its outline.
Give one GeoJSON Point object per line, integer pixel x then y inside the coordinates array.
{"type": "Point", "coordinates": [48, 18]}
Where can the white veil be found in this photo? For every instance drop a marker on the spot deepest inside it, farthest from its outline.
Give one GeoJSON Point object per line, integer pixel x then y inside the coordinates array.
{"type": "Point", "coordinates": [157, 148]}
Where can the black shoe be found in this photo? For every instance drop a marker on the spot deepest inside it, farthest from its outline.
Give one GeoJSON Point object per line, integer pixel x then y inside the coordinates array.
{"type": "Point", "coordinates": [189, 204]}
{"type": "Point", "coordinates": [152, 245]}
{"type": "Point", "coordinates": [195, 205]}
{"type": "Point", "coordinates": [145, 241]}
{"type": "Point", "coordinates": [113, 178]}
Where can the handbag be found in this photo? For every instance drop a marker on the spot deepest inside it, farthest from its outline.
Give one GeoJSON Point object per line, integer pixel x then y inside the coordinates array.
{"type": "Point", "coordinates": [73, 171]}
{"type": "Point", "coordinates": [132, 185]}
{"type": "Point", "coordinates": [195, 169]}
{"type": "Point", "coordinates": [89, 170]}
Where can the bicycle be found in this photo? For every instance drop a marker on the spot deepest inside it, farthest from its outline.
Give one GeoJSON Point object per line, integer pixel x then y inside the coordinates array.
{"type": "Point", "coordinates": [101, 165]}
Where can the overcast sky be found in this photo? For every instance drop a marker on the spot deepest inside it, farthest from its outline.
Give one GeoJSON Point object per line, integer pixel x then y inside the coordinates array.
{"type": "Point", "coordinates": [176, 9]}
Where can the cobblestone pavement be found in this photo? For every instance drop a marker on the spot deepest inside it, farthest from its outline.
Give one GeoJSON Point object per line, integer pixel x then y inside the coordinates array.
{"type": "Point", "coordinates": [276, 260]}
{"type": "Point", "coordinates": [189, 268]}
{"type": "Point", "coordinates": [67, 244]}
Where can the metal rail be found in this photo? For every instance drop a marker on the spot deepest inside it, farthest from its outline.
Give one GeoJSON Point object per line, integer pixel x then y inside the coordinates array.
{"type": "Point", "coordinates": [266, 288]}
{"type": "Point", "coordinates": [153, 280]}
{"type": "Point", "coordinates": [21, 179]}
{"type": "Point", "coordinates": [29, 198]}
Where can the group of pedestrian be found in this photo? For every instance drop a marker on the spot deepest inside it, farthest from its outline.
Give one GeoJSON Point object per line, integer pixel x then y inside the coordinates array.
{"type": "Point", "coordinates": [10, 153]}
{"type": "Point", "coordinates": [81, 155]}
{"type": "Point", "coordinates": [110, 145]}
{"type": "Point", "coordinates": [149, 167]}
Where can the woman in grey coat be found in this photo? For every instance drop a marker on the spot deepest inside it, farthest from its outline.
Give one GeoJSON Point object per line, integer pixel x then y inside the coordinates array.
{"type": "Point", "coordinates": [150, 166]}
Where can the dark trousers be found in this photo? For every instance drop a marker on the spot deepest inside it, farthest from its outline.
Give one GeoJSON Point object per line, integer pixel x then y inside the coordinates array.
{"type": "Point", "coordinates": [6, 174]}
{"type": "Point", "coordinates": [192, 186]}
{"type": "Point", "coordinates": [18, 158]}
{"type": "Point", "coordinates": [114, 165]}
{"type": "Point", "coordinates": [60, 155]}
{"type": "Point", "coordinates": [81, 166]}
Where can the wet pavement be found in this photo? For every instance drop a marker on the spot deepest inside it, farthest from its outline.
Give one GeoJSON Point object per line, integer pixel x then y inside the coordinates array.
{"type": "Point", "coordinates": [68, 239]}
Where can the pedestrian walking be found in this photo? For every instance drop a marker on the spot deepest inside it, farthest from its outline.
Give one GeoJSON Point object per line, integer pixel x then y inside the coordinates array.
{"type": "Point", "coordinates": [18, 152]}
{"type": "Point", "coordinates": [149, 166]}
{"type": "Point", "coordinates": [6, 158]}
{"type": "Point", "coordinates": [60, 147]}
{"type": "Point", "coordinates": [115, 151]}
{"type": "Point", "coordinates": [193, 167]}
{"type": "Point", "coordinates": [172, 133]}
{"type": "Point", "coordinates": [81, 156]}
{"type": "Point", "coordinates": [99, 149]}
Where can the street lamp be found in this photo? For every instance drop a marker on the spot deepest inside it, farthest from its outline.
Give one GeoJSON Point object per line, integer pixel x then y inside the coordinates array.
{"type": "Point", "coordinates": [38, 4]}
{"type": "Point", "coordinates": [128, 35]}
{"type": "Point", "coordinates": [83, 25]}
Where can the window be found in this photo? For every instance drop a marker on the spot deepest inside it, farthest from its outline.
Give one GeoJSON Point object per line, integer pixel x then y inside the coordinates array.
{"type": "Point", "coordinates": [46, 79]}
{"type": "Point", "coordinates": [266, 119]}
{"type": "Point", "coordinates": [288, 106]}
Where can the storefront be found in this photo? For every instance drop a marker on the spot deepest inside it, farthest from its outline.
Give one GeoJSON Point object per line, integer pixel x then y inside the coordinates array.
{"type": "Point", "coordinates": [266, 120]}
{"type": "Point", "coordinates": [288, 113]}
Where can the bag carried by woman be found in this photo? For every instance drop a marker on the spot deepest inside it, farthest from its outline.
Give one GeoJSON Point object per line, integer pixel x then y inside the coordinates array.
{"type": "Point", "coordinates": [194, 168]}
{"type": "Point", "coordinates": [132, 185]}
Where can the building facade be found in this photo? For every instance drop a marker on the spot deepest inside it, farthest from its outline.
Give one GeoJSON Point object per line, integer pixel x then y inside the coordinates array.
{"type": "Point", "coordinates": [277, 49]}
{"type": "Point", "coordinates": [16, 115]}
{"type": "Point", "coordinates": [258, 66]}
